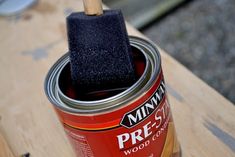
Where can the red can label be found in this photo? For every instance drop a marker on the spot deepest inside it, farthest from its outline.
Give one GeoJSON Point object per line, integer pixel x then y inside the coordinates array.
{"type": "Point", "coordinates": [143, 128]}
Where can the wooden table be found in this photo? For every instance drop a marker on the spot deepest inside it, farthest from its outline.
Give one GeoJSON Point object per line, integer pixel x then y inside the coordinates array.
{"type": "Point", "coordinates": [31, 42]}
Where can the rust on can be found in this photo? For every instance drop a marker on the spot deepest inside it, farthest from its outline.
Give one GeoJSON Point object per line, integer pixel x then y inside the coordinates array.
{"type": "Point", "coordinates": [136, 121]}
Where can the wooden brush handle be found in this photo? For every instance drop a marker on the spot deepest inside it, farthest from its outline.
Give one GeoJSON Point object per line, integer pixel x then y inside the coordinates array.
{"type": "Point", "coordinates": [93, 7]}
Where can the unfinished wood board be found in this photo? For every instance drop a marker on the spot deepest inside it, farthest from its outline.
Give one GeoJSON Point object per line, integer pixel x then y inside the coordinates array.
{"type": "Point", "coordinates": [5, 151]}
{"type": "Point", "coordinates": [32, 42]}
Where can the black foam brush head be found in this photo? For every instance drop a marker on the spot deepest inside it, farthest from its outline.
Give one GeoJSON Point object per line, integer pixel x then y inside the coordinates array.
{"type": "Point", "coordinates": [100, 52]}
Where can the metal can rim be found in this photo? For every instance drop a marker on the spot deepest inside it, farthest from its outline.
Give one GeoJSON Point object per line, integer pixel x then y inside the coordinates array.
{"type": "Point", "coordinates": [111, 99]}
{"type": "Point", "coordinates": [75, 106]}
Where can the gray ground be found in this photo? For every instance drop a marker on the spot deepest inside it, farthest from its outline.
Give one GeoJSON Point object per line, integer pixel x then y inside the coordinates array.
{"type": "Point", "coordinates": [201, 36]}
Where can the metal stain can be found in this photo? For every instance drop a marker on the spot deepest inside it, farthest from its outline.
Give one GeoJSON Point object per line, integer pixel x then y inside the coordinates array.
{"type": "Point", "coordinates": [133, 122]}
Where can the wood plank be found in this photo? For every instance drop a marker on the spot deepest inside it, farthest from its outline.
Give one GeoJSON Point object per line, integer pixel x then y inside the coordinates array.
{"type": "Point", "coordinates": [5, 151]}
{"type": "Point", "coordinates": [32, 42]}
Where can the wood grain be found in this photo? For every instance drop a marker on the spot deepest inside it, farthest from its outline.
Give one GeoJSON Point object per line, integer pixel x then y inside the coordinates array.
{"type": "Point", "coordinates": [5, 151]}
{"type": "Point", "coordinates": [32, 42]}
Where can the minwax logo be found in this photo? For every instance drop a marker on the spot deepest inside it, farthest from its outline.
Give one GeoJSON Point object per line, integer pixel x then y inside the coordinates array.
{"type": "Point", "coordinates": [140, 113]}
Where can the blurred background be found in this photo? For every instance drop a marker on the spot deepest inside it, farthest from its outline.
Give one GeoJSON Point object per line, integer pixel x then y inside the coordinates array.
{"type": "Point", "coordinates": [200, 34]}
{"type": "Point", "coordinates": [197, 33]}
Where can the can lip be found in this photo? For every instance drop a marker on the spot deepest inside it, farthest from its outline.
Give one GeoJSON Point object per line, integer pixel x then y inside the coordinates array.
{"type": "Point", "coordinates": [49, 83]}
{"type": "Point", "coordinates": [56, 96]}
{"type": "Point", "coordinates": [74, 103]}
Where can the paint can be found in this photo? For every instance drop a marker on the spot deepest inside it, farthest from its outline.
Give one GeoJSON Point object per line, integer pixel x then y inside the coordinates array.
{"type": "Point", "coordinates": [135, 121]}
